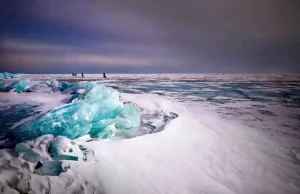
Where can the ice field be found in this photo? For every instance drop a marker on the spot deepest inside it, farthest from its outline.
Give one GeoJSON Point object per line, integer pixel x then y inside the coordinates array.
{"type": "Point", "coordinates": [176, 133]}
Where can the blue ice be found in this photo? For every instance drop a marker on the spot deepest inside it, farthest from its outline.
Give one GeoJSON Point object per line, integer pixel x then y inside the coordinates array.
{"type": "Point", "coordinates": [28, 153]}
{"type": "Point", "coordinates": [18, 86]}
{"type": "Point", "coordinates": [62, 148]}
{"type": "Point", "coordinates": [52, 168]}
{"type": "Point", "coordinates": [98, 113]}
{"type": "Point", "coordinates": [2, 84]}
{"type": "Point", "coordinates": [7, 75]}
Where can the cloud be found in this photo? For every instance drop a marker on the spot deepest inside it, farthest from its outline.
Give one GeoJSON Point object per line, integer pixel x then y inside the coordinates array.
{"type": "Point", "coordinates": [233, 35]}
{"type": "Point", "coordinates": [97, 19]}
{"type": "Point", "coordinates": [180, 21]}
{"type": "Point", "coordinates": [33, 59]}
{"type": "Point", "coordinates": [26, 45]}
{"type": "Point", "coordinates": [37, 54]}
{"type": "Point", "coordinates": [25, 52]}
{"type": "Point", "coordinates": [33, 52]}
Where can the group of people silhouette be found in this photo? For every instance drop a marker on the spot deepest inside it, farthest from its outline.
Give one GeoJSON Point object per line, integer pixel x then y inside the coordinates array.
{"type": "Point", "coordinates": [75, 74]}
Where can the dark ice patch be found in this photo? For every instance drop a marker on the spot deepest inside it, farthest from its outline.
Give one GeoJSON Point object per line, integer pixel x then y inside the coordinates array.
{"type": "Point", "coordinates": [14, 113]}
{"type": "Point", "coordinates": [266, 112]}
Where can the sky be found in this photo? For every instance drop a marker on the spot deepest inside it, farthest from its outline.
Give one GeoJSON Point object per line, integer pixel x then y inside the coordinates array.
{"type": "Point", "coordinates": [150, 36]}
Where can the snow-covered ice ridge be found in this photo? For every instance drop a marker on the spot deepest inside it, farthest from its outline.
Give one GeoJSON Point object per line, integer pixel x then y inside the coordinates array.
{"type": "Point", "coordinates": [270, 103]}
{"type": "Point", "coordinates": [194, 151]}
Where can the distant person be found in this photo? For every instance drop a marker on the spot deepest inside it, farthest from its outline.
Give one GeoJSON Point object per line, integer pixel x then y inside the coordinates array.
{"type": "Point", "coordinates": [82, 75]}
{"type": "Point", "coordinates": [104, 76]}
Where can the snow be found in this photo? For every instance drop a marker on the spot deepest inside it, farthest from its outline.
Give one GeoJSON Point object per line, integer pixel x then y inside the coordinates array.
{"type": "Point", "coordinates": [195, 152]}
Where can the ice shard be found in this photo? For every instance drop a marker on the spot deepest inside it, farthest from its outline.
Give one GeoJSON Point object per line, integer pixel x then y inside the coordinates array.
{"type": "Point", "coordinates": [62, 148]}
{"type": "Point", "coordinates": [2, 84]}
{"type": "Point", "coordinates": [28, 153]}
{"type": "Point", "coordinates": [18, 86]}
{"type": "Point", "coordinates": [64, 86]}
{"type": "Point", "coordinates": [41, 88]}
{"type": "Point", "coordinates": [7, 75]}
{"type": "Point", "coordinates": [52, 168]}
{"type": "Point", "coordinates": [128, 118]}
{"type": "Point", "coordinates": [98, 111]}
{"type": "Point", "coordinates": [22, 85]}
{"type": "Point", "coordinates": [22, 147]}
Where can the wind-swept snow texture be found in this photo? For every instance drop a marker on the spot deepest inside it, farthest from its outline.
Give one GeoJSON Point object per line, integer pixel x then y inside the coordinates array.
{"type": "Point", "coordinates": [194, 150]}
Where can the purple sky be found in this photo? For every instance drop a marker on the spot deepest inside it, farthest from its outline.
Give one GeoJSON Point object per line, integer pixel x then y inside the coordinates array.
{"type": "Point", "coordinates": [150, 36]}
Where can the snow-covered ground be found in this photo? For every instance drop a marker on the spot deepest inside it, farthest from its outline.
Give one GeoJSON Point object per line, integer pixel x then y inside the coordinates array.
{"type": "Point", "coordinates": [197, 149]}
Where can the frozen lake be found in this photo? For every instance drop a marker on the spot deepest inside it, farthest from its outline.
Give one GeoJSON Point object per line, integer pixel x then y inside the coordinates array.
{"type": "Point", "coordinates": [199, 133]}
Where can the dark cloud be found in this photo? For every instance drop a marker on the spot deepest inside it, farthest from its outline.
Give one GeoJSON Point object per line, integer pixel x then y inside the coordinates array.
{"type": "Point", "coordinates": [163, 35]}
